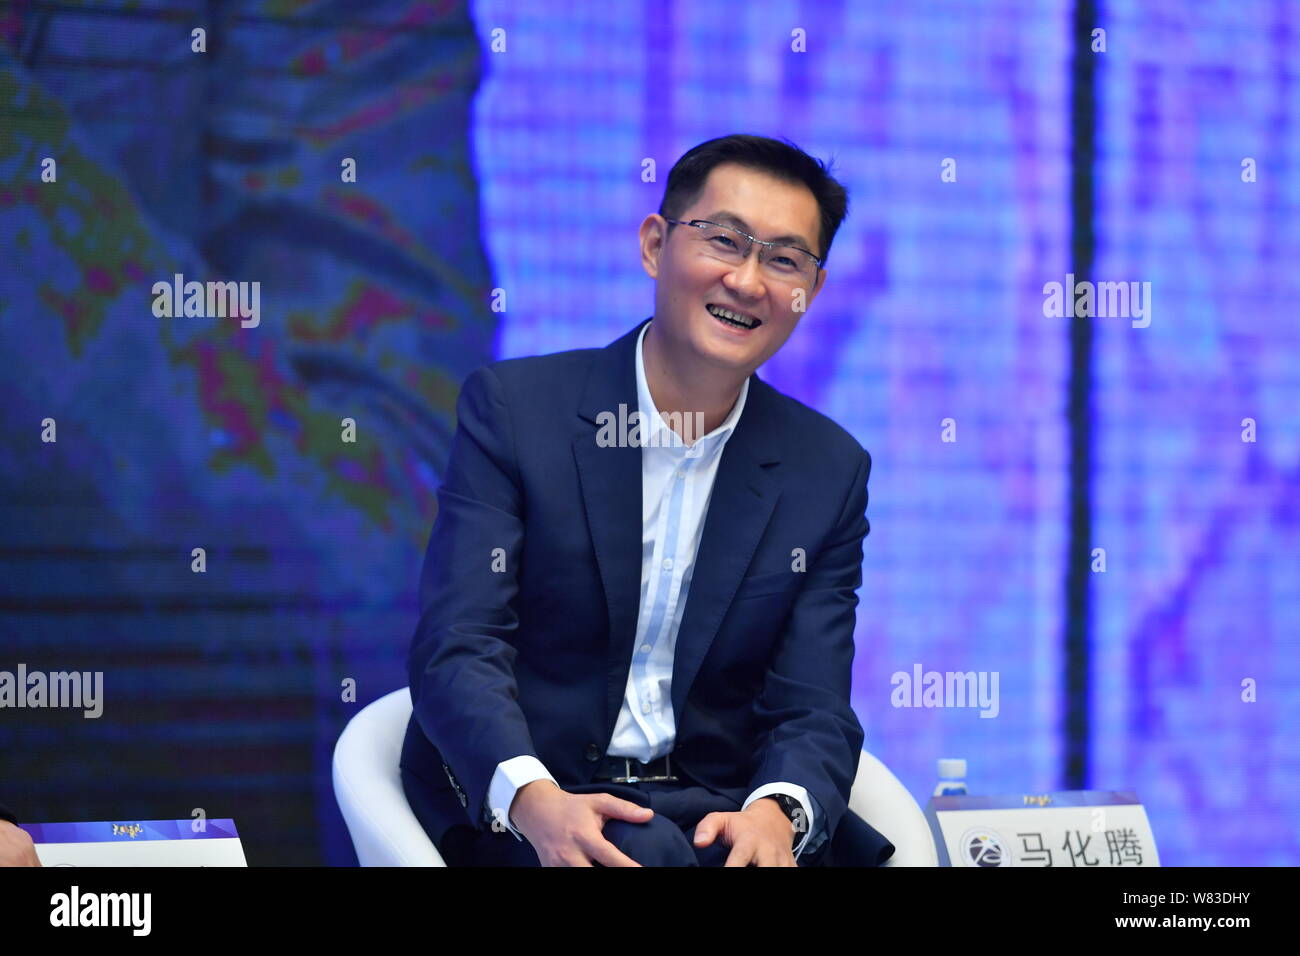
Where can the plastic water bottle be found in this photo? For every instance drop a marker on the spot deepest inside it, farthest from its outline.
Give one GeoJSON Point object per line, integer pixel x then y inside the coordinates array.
{"type": "Point", "coordinates": [952, 777]}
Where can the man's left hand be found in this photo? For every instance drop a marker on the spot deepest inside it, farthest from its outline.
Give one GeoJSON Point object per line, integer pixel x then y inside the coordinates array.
{"type": "Point", "coordinates": [759, 835]}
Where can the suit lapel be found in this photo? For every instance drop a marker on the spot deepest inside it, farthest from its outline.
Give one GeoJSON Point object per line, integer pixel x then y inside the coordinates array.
{"type": "Point", "coordinates": [744, 495]}
{"type": "Point", "coordinates": [611, 490]}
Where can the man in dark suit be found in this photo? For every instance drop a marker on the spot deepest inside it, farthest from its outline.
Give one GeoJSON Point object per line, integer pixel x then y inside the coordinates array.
{"type": "Point", "coordinates": [637, 603]}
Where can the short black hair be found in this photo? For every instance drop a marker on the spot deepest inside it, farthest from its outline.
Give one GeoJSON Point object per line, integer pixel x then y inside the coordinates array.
{"type": "Point", "coordinates": [779, 158]}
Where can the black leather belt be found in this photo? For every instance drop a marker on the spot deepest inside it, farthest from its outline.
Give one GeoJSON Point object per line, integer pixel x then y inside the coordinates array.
{"type": "Point", "coordinates": [631, 770]}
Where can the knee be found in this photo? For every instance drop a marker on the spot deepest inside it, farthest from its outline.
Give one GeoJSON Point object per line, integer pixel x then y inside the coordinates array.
{"type": "Point", "coordinates": [657, 842]}
{"type": "Point", "coordinates": [715, 854]}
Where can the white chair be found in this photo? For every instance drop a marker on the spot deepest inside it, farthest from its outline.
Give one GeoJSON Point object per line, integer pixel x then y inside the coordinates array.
{"type": "Point", "coordinates": [368, 787]}
{"type": "Point", "coordinates": [881, 799]}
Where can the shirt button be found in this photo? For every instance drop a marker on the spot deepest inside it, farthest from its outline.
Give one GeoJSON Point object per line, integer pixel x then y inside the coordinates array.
{"type": "Point", "coordinates": [668, 564]}
{"type": "Point", "coordinates": [645, 648]}
{"type": "Point", "coordinates": [645, 708]}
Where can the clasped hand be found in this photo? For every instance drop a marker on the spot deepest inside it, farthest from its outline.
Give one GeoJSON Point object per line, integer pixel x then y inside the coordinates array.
{"type": "Point", "coordinates": [566, 829]}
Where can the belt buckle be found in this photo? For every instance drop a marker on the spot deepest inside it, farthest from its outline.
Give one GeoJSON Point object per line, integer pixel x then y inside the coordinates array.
{"type": "Point", "coordinates": [630, 778]}
{"type": "Point", "coordinates": [627, 771]}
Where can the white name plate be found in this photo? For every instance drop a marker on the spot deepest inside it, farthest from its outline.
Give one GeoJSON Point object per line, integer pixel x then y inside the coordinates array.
{"type": "Point", "coordinates": [137, 843]}
{"type": "Point", "coordinates": [1080, 828]}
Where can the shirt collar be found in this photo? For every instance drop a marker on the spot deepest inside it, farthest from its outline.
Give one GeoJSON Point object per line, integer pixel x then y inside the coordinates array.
{"type": "Point", "coordinates": [652, 423]}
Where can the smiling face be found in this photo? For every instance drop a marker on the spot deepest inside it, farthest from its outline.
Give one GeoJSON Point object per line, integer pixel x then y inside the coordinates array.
{"type": "Point", "coordinates": [688, 283]}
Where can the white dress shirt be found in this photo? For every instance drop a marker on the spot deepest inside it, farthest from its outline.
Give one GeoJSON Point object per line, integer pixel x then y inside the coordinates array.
{"type": "Point", "coordinates": [676, 484]}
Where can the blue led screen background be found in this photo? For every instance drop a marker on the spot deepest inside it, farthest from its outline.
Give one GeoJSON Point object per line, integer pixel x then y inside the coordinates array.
{"type": "Point", "coordinates": [522, 170]}
{"type": "Point", "coordinates": [1202, 530]}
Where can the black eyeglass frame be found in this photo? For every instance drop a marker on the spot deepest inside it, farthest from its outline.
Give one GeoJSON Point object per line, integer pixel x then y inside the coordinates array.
{"type": "Point", "coordinates": [705, 223]}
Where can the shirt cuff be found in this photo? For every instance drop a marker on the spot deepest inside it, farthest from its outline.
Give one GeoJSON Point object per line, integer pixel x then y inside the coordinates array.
{"type": "Point", "coordinates": [800, 794]}
{"type": "Point", "coordinates": [510, 775]}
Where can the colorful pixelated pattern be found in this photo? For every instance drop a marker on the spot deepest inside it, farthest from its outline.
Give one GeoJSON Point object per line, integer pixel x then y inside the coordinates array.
{"type": "Point", "coordinates": [224, 688]}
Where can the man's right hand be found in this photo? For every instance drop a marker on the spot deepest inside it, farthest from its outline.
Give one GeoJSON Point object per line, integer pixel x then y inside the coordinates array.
{"type": "Point", "coordinates": [566, 829]}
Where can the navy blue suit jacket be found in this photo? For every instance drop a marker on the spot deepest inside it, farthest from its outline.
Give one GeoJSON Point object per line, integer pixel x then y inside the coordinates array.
{"type": "Point", "coordinates": [534, 660]}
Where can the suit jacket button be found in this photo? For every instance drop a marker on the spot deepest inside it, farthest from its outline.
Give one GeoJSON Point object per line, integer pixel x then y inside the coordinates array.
{"type": "Point", "coordinates": [593, 752]}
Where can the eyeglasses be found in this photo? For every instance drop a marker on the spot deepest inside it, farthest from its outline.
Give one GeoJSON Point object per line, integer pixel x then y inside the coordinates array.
{"type": "Point", "coordinates": [783, 263]}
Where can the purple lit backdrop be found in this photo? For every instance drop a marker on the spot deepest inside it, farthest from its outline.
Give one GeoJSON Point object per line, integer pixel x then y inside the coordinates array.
{"type": "Point", "coordinates": [1201, 529]}
{"type": "Point", "coordinates": [934, 310]}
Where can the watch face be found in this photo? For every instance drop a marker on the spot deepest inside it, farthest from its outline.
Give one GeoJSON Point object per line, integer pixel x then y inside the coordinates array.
{"type": "Point", "coordinates": [790, 805]}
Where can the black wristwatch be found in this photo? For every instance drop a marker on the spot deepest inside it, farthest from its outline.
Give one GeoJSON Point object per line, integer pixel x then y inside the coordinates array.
{"type": "Point", "coordinates": [790, 806]}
